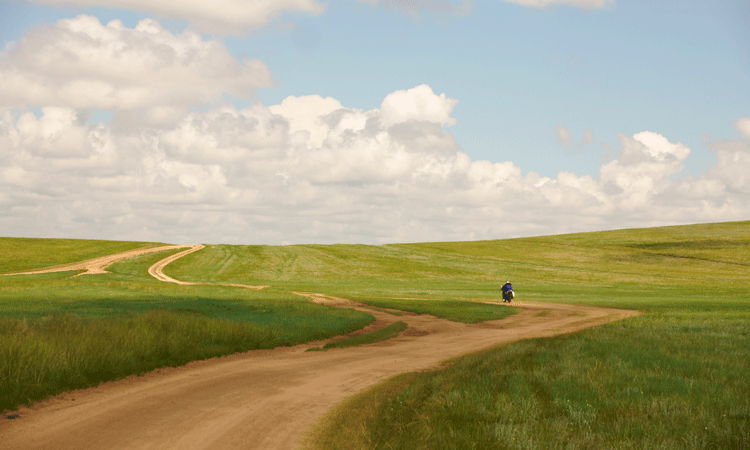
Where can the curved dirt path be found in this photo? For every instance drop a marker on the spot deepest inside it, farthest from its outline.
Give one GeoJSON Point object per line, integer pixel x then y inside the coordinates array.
{"type": "Point", "coordinates": [97, 265]}
{"type": "Point", "coordinates": [268, 399]}
{"type": "Point", "coordinates": [156, 271]}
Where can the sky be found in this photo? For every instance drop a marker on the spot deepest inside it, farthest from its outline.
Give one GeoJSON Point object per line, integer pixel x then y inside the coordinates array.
{"type": "Point", "coordinates": [370, 121]}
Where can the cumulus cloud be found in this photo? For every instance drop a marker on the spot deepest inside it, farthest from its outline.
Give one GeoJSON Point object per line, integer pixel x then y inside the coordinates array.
{"type": "Point", "coordinates": [417, 104]}
{"type": "Point", "coordinates": [308, 169]}
{"type": "Point", "coordinates": [732, 171]}
{"type": "Point", "coordinates": [313, 170]}
{"type": "Point", "coordinates": [218, 16]}
{"type": "Point", "coordinates": [306, 115]}
{"type": "Point", "coordinates": [588, 4]}
{"type": "Point", "coordinates": [642, 170]}
{"type": "Point", "coordinates": [146, 73]}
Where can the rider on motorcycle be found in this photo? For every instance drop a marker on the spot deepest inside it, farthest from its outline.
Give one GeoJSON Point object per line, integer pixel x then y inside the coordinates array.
{"type": "Point", "coordinates": [508, 293]}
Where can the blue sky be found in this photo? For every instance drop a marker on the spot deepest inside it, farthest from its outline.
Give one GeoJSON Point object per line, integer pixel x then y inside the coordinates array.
{"type": "Point", "coordinates": [559, 88]}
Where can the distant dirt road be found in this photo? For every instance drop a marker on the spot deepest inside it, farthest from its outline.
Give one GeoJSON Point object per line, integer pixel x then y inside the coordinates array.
{"type": "Point", "coordinates": [97, 265]}
{"type": "Point", "coordinates": [267, 399]}
{"type": "Point", "coordinates": [156, 270]}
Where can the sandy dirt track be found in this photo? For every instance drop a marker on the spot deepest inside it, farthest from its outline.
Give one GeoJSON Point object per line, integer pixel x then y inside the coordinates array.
{"type": "Point", "coordinates": [267, 399]}
{"type": "Point", "coordinates": [97, 265]}
{"type": "Point", "coordinates": [156, 271]}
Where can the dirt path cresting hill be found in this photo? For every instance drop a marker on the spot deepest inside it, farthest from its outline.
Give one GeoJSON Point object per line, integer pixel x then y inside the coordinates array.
{"type": "Point", "coordinates": [267, 399]}
{"type": "Point", "coordinates": [98, 265]}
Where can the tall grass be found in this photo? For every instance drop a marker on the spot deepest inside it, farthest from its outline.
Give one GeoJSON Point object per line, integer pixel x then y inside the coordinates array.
{"type": "Point", "coordinates": [59, 332]}
{"type": "Point", "coordinates": [669, 388]}
{"type": "Point", "coordinates": [56, 353]}
{"type": "Point", "coordinates": [38, 358]}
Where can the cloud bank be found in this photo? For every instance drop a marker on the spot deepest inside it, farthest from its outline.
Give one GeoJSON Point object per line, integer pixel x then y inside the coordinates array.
{"type": "Point", "coordinates": [240, 17]}
{"type": "Point", "coordinates": [146, 74]}
{"type": "Point", "coordinates": [306, 170]}
{"type": "Point", "coordinates": [217, 16]}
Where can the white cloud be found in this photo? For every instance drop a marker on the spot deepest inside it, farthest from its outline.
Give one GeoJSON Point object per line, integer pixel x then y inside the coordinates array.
{"type": "Point", "coordinates": [588, 4]}
{"type": "Point", "coordinates": [313, 170]}
{"type": "Point", "coordinates": [419, 104]}
{"type": "Point", "coordinates": [146, 73]}
{"type": "Point", "coordinates": [306, 114]}
{"type": "Point", "coordinates": [642, 170]}
{"type": "Point", "coordinates": [218, 16]}
{"type": "Point", "coordinates": [732, 171]}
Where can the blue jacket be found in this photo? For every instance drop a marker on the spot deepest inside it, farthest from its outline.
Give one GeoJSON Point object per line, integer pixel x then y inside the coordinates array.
{"type": "Point", "coordinates": [507, 289]}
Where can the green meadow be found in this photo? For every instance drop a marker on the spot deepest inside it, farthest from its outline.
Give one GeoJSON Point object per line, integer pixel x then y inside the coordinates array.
{"type": "Point", "coordinates": [60, 332]}
{"type": "Point", "coordinates": [675, 377]}
{"type": "Point", "coordinates": [25, 254]}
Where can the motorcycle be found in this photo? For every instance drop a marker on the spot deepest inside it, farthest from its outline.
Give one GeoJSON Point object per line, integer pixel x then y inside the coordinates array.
{"type": "Point", "coordinates": [508, 296]}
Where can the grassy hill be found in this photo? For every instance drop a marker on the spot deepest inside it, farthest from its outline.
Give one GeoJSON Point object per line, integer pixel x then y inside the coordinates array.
{"type": "Point", "coordinates": [676, 377]}
{"type": "Point", "coordinates": [60, 332]}
{"type": "Point", "coordinates": [19, 254]}
{"type": "Point", "coordinates": [640, 268]}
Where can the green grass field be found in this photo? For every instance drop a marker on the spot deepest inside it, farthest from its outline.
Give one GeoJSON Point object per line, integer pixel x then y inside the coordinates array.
{"type": "Point", "coordinates": [641, 268]}
{"type": "Point", "coordinates": [59, 332]}
{"type": "Point", "coordinates": [20, 254]}
{"type": "Point", "coordinates": [676, 377]}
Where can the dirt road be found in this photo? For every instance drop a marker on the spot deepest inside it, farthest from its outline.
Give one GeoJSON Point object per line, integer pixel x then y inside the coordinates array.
{"type": "Point", "coordinates": [97, 265]}
{"type": "Point", "coordinates": [266, 399]}
{"type": "Point", "coordinates": [156, 270]}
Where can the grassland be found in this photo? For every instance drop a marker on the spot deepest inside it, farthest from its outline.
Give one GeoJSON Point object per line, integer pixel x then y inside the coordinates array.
{"type": "Point", "coordinates": [59, 332]}
{"type": "Point", "coordinates": [19, 254]}
{"type": "Point", "coordinates": [642, 268]}
{"type": "Point", "coordinates": [676, 377]}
